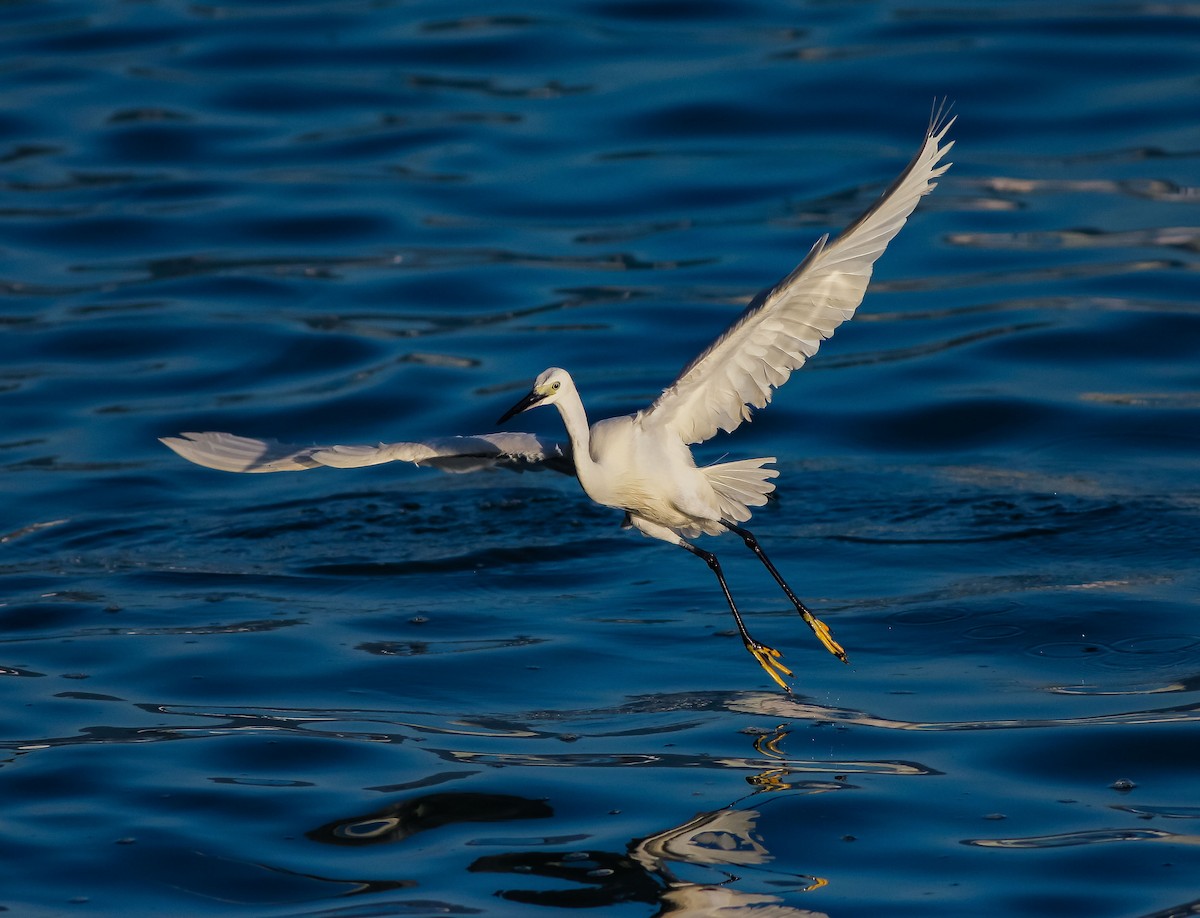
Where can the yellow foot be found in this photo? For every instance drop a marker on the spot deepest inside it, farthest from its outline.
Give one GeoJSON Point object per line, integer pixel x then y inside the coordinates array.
{"type": "Point", "coordinates": [768, 659]}
{"type": "Point", "coordinates": [821, 630]}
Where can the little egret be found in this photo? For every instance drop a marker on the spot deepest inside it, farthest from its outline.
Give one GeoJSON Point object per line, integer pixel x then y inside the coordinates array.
{"type": "Point", "coordinates": [641, 464]}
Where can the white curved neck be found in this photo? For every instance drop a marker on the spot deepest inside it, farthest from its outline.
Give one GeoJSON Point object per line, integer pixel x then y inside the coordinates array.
{"type": "Point", "coordinates": [570, 408]}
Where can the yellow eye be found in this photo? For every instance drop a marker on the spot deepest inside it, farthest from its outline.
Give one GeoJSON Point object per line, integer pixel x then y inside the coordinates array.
{"type": "Point", "coordinates": [556, 384]}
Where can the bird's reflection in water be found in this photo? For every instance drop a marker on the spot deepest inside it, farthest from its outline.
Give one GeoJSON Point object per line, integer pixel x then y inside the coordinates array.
{"type": "Point", "coordinates": [688, 870]}
{"type": "Point", "coordinates": [721, 841]}
{"type": "Point", "coordinates": [648, 870]}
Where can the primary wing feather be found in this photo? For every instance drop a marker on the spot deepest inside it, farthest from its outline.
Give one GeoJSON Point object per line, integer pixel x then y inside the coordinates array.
{"type": "Point", "coordinates": [784, 326]}
{"type": "Point", "coordinates": [230, 453]}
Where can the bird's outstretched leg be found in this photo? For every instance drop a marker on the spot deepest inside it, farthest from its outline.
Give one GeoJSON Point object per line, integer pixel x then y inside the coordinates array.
{"type": "Point", "coordinates": [768, 657]}
{"type": "Point", "coordinates": [820, 629]}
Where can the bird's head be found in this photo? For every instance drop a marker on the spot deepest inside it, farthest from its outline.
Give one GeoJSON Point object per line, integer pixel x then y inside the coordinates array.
{"type": "Point", "coordinates": [546, 391]}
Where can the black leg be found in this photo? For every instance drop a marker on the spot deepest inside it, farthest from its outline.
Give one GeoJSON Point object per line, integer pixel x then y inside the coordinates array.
{"type": "Point", "coordinates": [767, 657]}
{"type": "Point", "coordinates": [819, 628]}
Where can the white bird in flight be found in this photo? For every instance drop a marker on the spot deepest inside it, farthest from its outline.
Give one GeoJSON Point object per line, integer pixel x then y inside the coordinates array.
{"type": "Point", "coordinates": [641, 464]}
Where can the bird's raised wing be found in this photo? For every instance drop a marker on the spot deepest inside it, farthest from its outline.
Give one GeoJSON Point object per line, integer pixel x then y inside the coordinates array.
{"type": "Point", "coordinates": [784, 325]}
{"type": "Point", "coordinates": [230, 453]}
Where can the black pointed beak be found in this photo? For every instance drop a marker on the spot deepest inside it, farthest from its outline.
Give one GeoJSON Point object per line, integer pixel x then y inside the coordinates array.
{"type": "Point", "coordinates": [533, 398]}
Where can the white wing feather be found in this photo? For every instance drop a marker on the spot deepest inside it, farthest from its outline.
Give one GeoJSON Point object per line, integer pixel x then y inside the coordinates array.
{"type": "Point", "coordinates": [784, 326]}
{"type": "Point", "coordinates": [229, 453]}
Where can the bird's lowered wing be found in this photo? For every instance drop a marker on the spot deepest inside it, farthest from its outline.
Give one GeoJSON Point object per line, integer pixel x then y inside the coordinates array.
{"type": "Point", "coordinates": [230, 453]}
{"type": "Point", "coordinates": [783, 326]}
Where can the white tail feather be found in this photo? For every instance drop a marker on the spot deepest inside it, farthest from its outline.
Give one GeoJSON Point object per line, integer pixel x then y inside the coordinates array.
{"type": "Point", "coordinates": [740, 485]}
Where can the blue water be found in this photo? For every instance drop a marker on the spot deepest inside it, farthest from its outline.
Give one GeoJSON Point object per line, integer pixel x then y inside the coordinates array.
{"type": "Point", "coordinates": [389, 691]}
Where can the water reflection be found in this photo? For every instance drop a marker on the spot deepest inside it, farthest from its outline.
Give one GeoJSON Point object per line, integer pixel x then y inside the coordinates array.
{"type": "Point", "coordinates": [766, 771]}
{"type": "Point", "coordinates": [400, 821]}
{"type": "Point", "coordinates": [798, 710]}
{"type": "Point", "coordinates": [648, 870]}
{"type": "Point", "coordinates": [1088, 837]}
{"type": "Point", "coordinates": [689, 869]}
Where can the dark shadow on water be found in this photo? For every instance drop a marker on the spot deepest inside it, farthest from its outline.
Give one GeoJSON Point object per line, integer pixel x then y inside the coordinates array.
{"type": "Point", "coordinates": [400, 821]}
